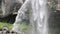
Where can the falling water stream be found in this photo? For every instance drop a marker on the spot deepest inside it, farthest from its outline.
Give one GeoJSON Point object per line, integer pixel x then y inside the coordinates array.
{"type": "Point", "coordinates": [40, 15]}
{"type": "Point", "coordinates": [39, 18]}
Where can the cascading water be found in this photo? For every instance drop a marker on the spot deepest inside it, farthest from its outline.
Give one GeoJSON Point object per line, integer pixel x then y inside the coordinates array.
{"type": "Point", "coordinates": [38, 16]}
{"type": "Point", "coordinates": [42, 19]}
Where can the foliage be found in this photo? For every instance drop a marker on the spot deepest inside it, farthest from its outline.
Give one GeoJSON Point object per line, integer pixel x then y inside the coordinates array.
{"type": "Point", "coordinates": [22, 26]}
{"type": "Point", "coordinates": [53, 4]}
{"type": "Point", "coordinates": [2, 24]}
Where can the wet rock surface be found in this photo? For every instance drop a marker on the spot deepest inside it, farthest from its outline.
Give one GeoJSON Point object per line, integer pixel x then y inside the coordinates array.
{"type": "Point", "coordinates": [9, 19]}
{"type": "Point", "coordinates": [5, 30]}
{"type": "Point", "coordinates": [1, 32]}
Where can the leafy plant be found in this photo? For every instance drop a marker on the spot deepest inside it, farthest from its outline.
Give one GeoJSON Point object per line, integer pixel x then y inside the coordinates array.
{"type": "Point", "coordinates": [53, 4]}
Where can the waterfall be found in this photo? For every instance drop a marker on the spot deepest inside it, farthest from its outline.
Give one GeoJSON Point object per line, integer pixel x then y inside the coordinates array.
{"type": "Point", "coordinates": [38, 16]}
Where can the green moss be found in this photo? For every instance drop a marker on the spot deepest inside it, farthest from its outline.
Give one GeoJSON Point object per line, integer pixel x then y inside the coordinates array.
{"type": "Point", "coordinates": [2, 24]}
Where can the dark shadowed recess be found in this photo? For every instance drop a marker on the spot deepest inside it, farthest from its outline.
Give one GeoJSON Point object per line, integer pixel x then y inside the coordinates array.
{"type": "Point", "coordinates": [54, 20]}
{"type": "Point", "coordinates": [9, 19]}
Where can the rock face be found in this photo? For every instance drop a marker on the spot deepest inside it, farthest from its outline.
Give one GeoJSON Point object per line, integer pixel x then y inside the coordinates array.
{"type": "Point", "coordinates": [9, 5]}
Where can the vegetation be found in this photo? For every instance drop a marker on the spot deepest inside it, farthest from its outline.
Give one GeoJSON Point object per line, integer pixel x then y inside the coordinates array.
{"type": "Point", "coordinates": [53, 4]}
{"type": "Point", "coordinates": [2, 24]}
{"type": "Point", "coordinates": [22, 26]}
